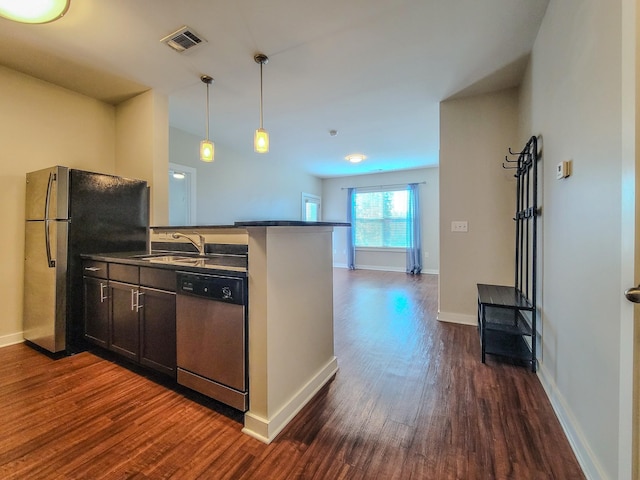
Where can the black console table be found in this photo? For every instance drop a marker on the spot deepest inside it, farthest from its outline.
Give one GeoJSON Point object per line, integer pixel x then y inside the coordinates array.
{"type": "Point", "coordinates": [507, 315]}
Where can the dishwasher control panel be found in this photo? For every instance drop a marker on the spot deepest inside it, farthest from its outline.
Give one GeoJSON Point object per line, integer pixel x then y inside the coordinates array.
{"type": "Point", "coordinates": [214, 287]}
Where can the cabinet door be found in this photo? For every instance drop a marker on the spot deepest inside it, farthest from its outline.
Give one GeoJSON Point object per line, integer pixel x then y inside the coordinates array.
{"type": "Point", "coordinates": [124, 320]}
{"type": "Point", "coordinates": [96, 311]}
{"type": "Point", "coordinates": [158, 330]}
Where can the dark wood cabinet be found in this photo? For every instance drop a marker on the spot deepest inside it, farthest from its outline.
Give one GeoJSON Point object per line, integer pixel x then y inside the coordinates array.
{"type": "Point", "coordinates": [125, 327]}
{"type": "Point", "coordinates": [96, 302]}
{"type": "Point", "coordinates": [96, 311]}
{"type": "Point", "coordinates": [132, 312]}
{"type": "Point", "coordinates": [158, 330]}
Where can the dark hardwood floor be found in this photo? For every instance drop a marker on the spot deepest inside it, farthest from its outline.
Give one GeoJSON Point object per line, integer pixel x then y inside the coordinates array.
{"type": "Point", "coordinates": [411, 400]}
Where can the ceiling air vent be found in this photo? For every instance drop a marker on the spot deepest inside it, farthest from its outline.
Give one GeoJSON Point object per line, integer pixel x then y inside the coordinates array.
{"type": "Point", "coordinates": [184, 39]}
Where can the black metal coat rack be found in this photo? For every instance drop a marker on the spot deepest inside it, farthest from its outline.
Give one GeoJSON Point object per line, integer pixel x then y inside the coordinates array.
{"type": "Point", "coordinates": [507, 315]}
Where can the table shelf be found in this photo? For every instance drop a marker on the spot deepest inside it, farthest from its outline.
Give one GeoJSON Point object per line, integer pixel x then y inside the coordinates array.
{"type": "Point", "coordinates": [506, 322]}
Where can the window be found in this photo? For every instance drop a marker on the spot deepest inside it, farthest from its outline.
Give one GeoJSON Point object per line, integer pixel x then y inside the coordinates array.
{"type": "Point", "coordinates": [380, 219]}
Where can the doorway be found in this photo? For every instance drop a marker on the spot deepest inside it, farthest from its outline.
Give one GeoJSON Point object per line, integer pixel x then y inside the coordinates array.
{"type": "Point", "coordinates": [182, 195]}
{"type": "Point", "coordinates": [311, 208]}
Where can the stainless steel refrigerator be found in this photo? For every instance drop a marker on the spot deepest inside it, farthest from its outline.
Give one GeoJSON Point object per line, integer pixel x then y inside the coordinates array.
{"type": "Point", "coordinates": [70, 212]}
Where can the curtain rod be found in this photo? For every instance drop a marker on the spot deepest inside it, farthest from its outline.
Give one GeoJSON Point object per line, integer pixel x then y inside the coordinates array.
{"type": "Point", "coordinates": [385, 186]}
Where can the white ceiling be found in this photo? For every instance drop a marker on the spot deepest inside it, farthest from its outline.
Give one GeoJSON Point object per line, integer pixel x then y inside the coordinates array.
{"type": "Point", "coordinates": [374, 70]}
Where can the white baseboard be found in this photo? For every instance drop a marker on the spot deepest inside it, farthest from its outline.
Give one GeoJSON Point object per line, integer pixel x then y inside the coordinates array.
{"type": "Point", "coordinates": [385, 269]}
{"type": "Point", "coordinates": [266, 429]}
{"type": "Point", "coordinates": [459, 318]}
{"type": "Point", "coordinates": [586, 458]}
{"type": "Point", "coordinates": [11, 339]}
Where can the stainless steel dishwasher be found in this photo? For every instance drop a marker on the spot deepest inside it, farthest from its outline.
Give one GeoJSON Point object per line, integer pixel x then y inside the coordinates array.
{"type": "Point", "coordinates": [211, 330]}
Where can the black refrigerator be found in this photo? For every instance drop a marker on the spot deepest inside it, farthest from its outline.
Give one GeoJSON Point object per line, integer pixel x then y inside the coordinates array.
{"type": "Point", "coordinates": [70, 212]}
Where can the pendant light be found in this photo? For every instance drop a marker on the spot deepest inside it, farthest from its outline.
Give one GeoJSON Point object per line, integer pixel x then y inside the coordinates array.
{"type": "Point", "coordinates": [261, 138]}
{"type": "Point", "coordinates": [33, 11]}
{"type": "Point", "coordinates": [207, 148]}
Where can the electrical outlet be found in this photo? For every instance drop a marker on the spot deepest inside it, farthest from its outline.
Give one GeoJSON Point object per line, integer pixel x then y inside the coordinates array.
{"type": "Point", "coordinates": [460, 226]}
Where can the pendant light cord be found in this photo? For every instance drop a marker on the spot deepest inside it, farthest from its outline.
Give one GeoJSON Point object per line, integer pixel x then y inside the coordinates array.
{"type": "Point", "coordinates": [207, 112]}
{"type": "Point", "coordinates": [261, 63]}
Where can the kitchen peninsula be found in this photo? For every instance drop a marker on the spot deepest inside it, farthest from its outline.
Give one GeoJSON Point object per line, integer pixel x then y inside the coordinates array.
{"type": "Point", "coordinates": [290, 314]}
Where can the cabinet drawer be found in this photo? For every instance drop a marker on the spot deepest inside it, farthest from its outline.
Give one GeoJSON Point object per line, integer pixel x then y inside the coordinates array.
{"type": "Point", "coordinates": [123, 273]}
{"type": "Point", "coordinates": [159, 278]}
{"type": "Point", "coordinates": [92, 268]}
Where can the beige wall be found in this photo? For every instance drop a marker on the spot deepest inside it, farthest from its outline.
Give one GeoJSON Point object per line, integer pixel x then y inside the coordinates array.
{"type": "Point", "coordinates": [142, 147]}
{"type": "Point", "coordinates": [41, 125]}
{"type": "Point", "coordinates": [475, 134]}
{"type": "Point", "coordinates": [572, 98]}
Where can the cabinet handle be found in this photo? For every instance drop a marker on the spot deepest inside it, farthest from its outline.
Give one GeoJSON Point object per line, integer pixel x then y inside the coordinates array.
{"type": "Point", "coordinates": [92, 269]}
{"type": "Point", "coordinates": [133, 302]}
{"type": "Point", "coordinates": [103, 296]}
{"type": "Point", "coordinates": [138, 304]}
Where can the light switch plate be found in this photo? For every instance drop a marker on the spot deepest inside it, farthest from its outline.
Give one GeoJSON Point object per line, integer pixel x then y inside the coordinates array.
{"type": "Point", "coordinates": [460, 226]}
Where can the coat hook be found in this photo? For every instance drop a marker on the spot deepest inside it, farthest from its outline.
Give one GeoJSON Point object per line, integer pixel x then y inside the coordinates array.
{"type": "Point", "coordinates": [515, 153]}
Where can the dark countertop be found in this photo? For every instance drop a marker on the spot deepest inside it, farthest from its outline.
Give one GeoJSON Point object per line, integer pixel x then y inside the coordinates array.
{"type": "Point", "coordinates": [257, 223]}
{"type": "Point", "coordinates": [191, 227]}
{"type": "Point", "coordinates": [290, 223]}
{"type": "Point", "coordinates": [216, 263]}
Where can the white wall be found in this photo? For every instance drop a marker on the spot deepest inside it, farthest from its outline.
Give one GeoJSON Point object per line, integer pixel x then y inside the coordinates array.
{"type": "Point", "coordinates": [571, 97]}
{"type": "Point", "coordinates": [475, 134]}
{"type": "Point", "coordinates": [233, 188]}
{"type": "Point", "coordinates": [334, 201]}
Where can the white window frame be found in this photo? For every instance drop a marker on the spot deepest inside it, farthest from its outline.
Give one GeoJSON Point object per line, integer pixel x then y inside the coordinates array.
{"type": "Point", "coordinates": [373, 190]}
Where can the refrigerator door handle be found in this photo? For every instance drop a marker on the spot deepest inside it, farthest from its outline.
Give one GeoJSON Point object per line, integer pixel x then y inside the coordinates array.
{"type": "Point", "coordinates": [47, 237]}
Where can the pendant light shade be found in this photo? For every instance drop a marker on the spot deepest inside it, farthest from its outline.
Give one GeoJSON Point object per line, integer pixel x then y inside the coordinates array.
{"type": "Point", "coordinates": [261, 141]}
{"type": "Point", "coordinates": [261, 137]}
{"type": "Point", "coordinates": [207, 148]}
{"type": "Point", "coordinates": [33, 11]}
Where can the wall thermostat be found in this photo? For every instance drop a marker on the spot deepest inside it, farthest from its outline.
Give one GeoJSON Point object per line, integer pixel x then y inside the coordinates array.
{"type": "Point", "coordinates": [563, 169]}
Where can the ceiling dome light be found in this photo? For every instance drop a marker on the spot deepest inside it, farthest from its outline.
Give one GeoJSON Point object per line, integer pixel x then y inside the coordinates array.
{"type": "Point", "coordinates": [355, 157]}
{"type": "Point", "coordinates": [33, 11]}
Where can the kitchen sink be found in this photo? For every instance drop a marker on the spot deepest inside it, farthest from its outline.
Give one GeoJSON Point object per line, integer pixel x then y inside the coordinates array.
{"type": "Point", "coordinates": [192, 261]}
{"type": "Point", "coordinates": [169, 258]}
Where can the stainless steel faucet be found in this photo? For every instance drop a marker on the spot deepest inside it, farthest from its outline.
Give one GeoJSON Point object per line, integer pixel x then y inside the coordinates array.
{"type": "Point", "coordinates": [199, 244]}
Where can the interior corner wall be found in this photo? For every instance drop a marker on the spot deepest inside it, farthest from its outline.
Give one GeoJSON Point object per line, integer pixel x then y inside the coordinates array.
{"type": "Point", "coordinates": [241, 186]}
{"type": "Point", "coordinates": [572, 99]}
{"type": "Point", "coordinates": [475, 134]}
{"type": "Point", "coordinates": [142, 147]}
{"type": "Point", "coordinates": [42, 125]}
{"type": "Point", "coordinates": [334, 206]}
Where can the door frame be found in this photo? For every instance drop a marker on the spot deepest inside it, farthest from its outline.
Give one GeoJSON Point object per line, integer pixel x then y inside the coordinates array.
{"type": "Point", "coordinates": [629, 390]}
{"type": "Point", "coordinates": [192, 188]}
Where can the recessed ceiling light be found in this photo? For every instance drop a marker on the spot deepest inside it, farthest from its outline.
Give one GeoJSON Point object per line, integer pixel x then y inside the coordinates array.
{"type": "Point", "coordinates": [33, 11]}
{"type": "Point", "coordinates": [355, 157]}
